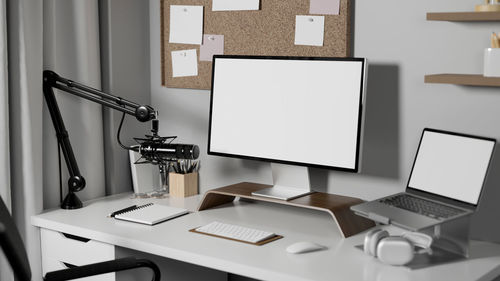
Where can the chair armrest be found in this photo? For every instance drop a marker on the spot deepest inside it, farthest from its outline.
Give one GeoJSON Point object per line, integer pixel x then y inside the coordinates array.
{"type": "Point", "coordinates": [101, 268]}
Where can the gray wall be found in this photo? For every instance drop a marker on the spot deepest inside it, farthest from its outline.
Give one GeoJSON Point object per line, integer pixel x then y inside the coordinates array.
{"type": "Point", "coordinates": [401, 47]}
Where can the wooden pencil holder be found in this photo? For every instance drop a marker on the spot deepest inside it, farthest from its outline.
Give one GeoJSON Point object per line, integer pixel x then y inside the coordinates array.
{"type": "Point", "coordinates": [183, 185]}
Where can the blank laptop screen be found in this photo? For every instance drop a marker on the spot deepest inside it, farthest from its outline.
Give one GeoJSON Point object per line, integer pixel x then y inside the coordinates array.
{"type": "Point", "coordinates": [451, 165]}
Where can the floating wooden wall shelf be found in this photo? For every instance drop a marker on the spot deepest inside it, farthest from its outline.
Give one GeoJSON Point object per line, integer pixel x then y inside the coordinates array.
{"type": "Point", "coordinates": [463, 79]}
{"type": "Point", "coordinates": [464, 16]}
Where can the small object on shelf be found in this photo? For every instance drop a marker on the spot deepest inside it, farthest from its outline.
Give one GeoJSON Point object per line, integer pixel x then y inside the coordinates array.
{"type": "Point", "coordinates": [495, 41]}
{"type": "Point", "coordinates": [488, 6]}
{"type": "Point", "coordinates": [183, 185]}
{"type": "Point", "coordinates": [491, 67]}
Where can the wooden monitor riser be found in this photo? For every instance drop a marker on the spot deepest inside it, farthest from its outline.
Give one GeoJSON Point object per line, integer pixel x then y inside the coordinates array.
{"type": "Point", "coordinates": [336, 205]}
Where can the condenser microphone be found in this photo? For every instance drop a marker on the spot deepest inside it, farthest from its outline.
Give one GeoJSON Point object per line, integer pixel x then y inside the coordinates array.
{"type": "Point", "coordinates": [169, 151]}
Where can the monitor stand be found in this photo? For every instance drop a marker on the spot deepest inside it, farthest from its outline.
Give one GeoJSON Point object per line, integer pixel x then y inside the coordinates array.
{"type": "Point", "coordinates": [289, 182]}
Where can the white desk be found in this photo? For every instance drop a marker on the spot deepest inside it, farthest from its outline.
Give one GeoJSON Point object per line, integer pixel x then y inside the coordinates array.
{"type": "Point", "coordinates": [172, 240]}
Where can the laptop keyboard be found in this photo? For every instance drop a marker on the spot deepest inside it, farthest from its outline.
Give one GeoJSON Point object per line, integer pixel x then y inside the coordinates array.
{"type": "Point", "coordinates": [421, 206]}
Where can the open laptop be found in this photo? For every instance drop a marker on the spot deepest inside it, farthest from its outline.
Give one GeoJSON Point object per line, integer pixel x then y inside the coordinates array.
{"type": "Point", "coordinates": [445, 183]}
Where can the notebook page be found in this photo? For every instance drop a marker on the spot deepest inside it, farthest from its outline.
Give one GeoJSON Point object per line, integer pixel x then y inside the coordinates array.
{"type": "Point", "coordinates": [152, 214]}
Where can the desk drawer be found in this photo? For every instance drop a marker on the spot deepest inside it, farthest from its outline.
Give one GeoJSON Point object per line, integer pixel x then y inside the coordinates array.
{"type": "Point", "coordinates": [58, 248]}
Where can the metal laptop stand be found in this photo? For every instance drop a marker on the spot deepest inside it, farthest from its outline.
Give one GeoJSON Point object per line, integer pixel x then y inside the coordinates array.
{"type": "Point", "coordinates": [451, 244]}
{"type": "Point", "coordinates": [452, 236]}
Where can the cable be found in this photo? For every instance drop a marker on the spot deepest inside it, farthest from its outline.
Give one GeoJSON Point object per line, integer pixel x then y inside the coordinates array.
{"type": "Point", "coordinates": [60, 171]}
{"type": "Point", "coordinates": [118, 135]}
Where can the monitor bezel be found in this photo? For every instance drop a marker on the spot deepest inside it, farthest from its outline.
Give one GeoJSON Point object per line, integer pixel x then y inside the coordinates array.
{"type": "Point", "coordinates": [360, 112]}
{"type": "Point", "coordinates": [441, 197]}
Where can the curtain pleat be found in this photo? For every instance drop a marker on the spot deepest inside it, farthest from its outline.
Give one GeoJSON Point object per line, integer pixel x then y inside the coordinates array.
{"type": "Point", "coordinates": [5, 270]}
{"type": "Point", "coordinates": [63, 36]}
{"type": "Point", "coordinates": [24, 41]}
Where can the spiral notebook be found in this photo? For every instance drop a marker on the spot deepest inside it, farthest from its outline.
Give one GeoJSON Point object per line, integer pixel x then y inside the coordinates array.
{"type": "Point", "coordinates": [151, 214]}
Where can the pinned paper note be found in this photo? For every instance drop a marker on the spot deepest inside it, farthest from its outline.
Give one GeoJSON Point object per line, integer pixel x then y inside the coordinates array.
{"type": "Point", "coordinates": [212, 45]}
{"type": "Point", "coordinates": [235, 5]}
{"type": "Point", "coordinates": [309, 30]}
{"type": "Point", "coordinates": [324, 7]}
{"type": "Point", "coordinates": [184, 63]}
{"type": "Point", "coordinates": [186, 24]}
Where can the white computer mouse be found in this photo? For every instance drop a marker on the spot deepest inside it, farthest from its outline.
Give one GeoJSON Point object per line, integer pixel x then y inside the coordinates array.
{"type": "Point", "coordinates": [304, 247]}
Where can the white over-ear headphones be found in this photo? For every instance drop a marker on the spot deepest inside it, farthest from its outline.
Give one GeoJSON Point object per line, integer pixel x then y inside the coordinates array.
{"type": "Point", "coordinates": [395, 250]}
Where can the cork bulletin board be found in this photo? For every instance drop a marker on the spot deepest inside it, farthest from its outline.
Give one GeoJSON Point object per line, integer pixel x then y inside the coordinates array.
{"type": "Point", "coordinates": [269, 31]}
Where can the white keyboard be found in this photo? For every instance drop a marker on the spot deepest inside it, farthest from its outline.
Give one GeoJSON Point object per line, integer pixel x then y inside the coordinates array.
{"type": "Point", "coordinates": [235, 232]}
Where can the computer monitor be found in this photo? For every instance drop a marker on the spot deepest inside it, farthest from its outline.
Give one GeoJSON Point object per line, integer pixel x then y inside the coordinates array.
{"type": "Point", "coordinates": [297, 111]}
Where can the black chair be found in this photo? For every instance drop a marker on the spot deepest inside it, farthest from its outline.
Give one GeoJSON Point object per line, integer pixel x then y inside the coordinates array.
{"type": "Point", "coordinates": [13, 248]}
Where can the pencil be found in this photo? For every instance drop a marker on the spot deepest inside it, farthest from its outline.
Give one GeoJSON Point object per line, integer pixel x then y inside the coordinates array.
{"type": "Point", "coordinates": [494, 40]}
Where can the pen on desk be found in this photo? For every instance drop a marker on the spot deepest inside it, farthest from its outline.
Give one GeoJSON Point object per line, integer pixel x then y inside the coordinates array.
{"type": "Point", "coordinates": [113, 214]}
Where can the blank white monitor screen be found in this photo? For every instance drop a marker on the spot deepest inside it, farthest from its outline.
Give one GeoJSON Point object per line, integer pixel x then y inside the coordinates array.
{"type": "Point", "coordinates": [304, 111]}
{"type": "Point", "coordinates": [451, 165]}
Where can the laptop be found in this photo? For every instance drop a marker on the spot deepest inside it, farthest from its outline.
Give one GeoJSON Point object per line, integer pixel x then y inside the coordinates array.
{"type": "Point", "coordinates": [445, 182]}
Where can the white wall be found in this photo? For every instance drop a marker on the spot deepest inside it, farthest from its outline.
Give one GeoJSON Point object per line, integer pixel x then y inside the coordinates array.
{"type": "Point", "coordinates": [401, 47]}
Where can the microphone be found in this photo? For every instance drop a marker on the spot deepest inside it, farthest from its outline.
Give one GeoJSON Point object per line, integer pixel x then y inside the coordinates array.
{"type": "Point", "coordinates": [169, 151]}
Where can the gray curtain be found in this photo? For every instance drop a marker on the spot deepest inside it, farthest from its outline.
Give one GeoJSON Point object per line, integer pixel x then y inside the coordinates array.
{"type": "Point", "coordinates": [5, 272]}
{"type": "Point", "coordinates": [60, 35]}
{"type": "Point", "coordinates": [71, 49]}
{"type": "Point", "coordinates": [21, 104]}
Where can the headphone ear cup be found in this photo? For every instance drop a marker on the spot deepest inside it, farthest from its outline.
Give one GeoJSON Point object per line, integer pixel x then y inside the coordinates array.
{"type": "Point", "coordinates": [368, 237]}
{"type": "Point", "coordinates": [395, 250]}
{"type": "Point", "coordinates": [372, 239]}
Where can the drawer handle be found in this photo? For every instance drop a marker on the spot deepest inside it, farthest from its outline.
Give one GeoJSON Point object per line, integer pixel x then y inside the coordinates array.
{"type": "Point", "coordinates": [68, 265]}
{"type": "Point", "coordinates": [77, 238]}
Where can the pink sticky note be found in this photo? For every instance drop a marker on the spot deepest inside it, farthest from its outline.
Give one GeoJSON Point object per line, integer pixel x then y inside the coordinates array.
{"type": "Point", "coordinates": [324, 7]}
{"type": "Point", "coordinates": [212, 45]}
